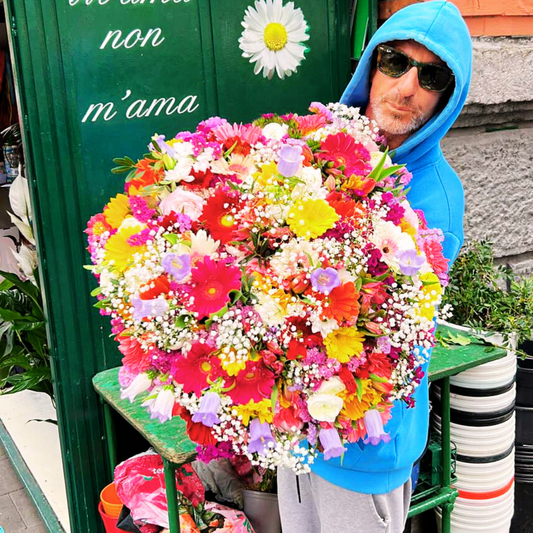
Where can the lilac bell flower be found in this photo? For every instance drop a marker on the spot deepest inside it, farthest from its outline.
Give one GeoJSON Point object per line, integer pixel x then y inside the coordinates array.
{"type": "Point", "coordinates": [148, 308]}
{"type": "Point", "coordinates": [260, 436]}
{"type": "Point", "coordinates": [374, 428]}
{"type": "Point", "coordinates": [331, 442]}
{"type": "Point", "coordinates": [207, 414]}
{"type": "Point", "coordinates": [179, 266]}
{"type": "Point", "coordinates": [290, 159]}
{"type": "Point", "coordinates": [163, 405]}
{"type": "Point", "coordinates": [409, 261]}
{"type": "Point", "coordinates": [140, 383]}
{"type": "Point", "coordinates": [163, 146]}
{"type": "Point", "coordinates": [325, 280]}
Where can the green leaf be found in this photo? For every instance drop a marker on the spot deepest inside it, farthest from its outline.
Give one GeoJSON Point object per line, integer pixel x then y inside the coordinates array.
{"type": "Point", "coordinates": [172, 238]}
{"type": "Point", "coordinates": [96, 291]}
{"type": "Point", "coordinates": [359, 388]}
{"type": "Point", "coordinates": [274, 397]}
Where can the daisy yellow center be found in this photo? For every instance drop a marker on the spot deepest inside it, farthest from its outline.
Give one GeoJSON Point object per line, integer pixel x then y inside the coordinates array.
{"type": "Point", "coordinates": [212, 290]}
{"type": "Point", "coordinates": [275, 36]}
{"type": "Point", "coordinates": [227, 221]}
{"type": "Point", "coordinates": [206, 367]}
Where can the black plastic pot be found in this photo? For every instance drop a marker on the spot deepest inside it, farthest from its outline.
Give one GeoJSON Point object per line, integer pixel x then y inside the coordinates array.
{"type": "Point", "coordinates": [524, 425]}
{"type": "Point", "coordinates": [524, 387]}
{"type": "Point", "coordinates": [523, 516]}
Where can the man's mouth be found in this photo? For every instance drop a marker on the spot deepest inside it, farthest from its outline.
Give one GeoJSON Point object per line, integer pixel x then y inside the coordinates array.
{"type": "Point", "coordinates": [399, 108]}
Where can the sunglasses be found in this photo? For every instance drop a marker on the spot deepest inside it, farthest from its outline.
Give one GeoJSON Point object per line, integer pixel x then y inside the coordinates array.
{"type": "Point", "coordinates": [431, 76]}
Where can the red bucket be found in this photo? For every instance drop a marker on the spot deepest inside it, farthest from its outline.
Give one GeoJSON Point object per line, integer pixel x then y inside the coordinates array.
{"type": "Point", "coordinates": [110, 523]}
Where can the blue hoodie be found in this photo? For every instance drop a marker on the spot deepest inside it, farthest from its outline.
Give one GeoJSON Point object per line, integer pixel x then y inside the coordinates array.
{"type": "Point", "coordinates": [436, 189]}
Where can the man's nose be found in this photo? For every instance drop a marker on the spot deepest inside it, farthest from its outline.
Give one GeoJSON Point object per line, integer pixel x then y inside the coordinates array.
{"type": "Point", "coordinates": [408, 83]}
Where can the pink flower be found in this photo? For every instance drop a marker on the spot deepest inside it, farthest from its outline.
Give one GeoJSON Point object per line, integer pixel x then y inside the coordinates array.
{"type": "Point", "coordinates": [247, 132]}
{"type": "Point", "coordinates": [211, 283]}
{"type": "Point", "coordinates": [182, 201]}
{"type": "Point", "coordinates": [135, 358]}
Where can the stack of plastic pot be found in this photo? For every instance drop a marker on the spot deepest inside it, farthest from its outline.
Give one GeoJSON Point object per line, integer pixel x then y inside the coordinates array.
{"type": "Point", "coordinates": [482, 401]}
{"type": "Point", "coordinates": [523, 519]}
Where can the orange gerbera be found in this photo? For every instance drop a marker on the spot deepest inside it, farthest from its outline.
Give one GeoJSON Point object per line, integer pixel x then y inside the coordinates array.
{"type": "Point", "coordinates": [342, 303]}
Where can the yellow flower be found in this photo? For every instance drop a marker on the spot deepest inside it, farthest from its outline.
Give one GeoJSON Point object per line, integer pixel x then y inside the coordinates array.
{"type": "Point", "coordinates": [431, 292]}
{"type": "Point", "coordinates": [343, 343]}
{"type": "Point", "coordinates": [355, 408]}
{"type": "Point", "coordinates": [118, 249]}
{"type": "Point", "coordinates": [117, 210]}
{"type": "Point", "coordinates": [311, 218]}
{"type": "Point", "coordinates": [230, 363]}
{"type": "Point", "coordinates": [268, 175]}
{"type": "Point", "coordinates": [261, 410]}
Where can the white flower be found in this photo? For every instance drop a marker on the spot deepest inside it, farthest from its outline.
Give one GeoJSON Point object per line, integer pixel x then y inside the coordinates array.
{"type": "Point", "coordinates": [19, 198]}
{"type": "Point", "coordinates": [140, 384]}
{"type": "Point", "coordinates": [333, 385]}
{"type": "Point", "coordinates": [182, 171]}
{"type": "Point", "coordinates": [273, 36]}
{"type": "Point", "coordinates": [311, 186]}
{"type": "Point", "coordinates": [182, 201]}
{"type": "Point", "coordinates": [391, 240]}
{"type": "Point", "coordinates": [275, 131]}
{"type": "Point", "coordinates": [202, 245]}
{"type": "Point", "coordinates": [27, 261]}
{"type": "Point", "coordinates": [324, 407]}
{"type": "Point", "coordinates": [376, 157]}
{"type": "Point", "coordinates": [324, 327]}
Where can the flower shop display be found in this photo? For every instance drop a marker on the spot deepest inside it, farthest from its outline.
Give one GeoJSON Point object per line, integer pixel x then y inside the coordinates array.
{"type": "Point", "coordinates": [270, 284]}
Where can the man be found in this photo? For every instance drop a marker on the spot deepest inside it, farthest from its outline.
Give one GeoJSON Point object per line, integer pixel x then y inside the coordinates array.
{"type": "Point", "coordinates": [412, 80]}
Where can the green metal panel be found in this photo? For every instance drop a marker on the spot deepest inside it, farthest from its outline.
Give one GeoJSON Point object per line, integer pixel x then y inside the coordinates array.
{"type": "Point", "coordinates": [64, 65]}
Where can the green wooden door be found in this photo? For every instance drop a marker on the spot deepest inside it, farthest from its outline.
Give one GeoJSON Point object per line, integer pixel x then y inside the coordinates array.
{"type": "Point", "coordinates": [96, 78]}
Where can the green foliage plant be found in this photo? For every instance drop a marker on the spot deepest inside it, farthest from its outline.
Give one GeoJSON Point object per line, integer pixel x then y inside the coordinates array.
{"type": "Point", "coordinates": [487, 297]}
{"type": "Point", "coordinates": [24, 351]}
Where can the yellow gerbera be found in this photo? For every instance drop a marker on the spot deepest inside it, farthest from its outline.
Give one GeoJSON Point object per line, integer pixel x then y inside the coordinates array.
{"type": "Point", "coordinates": [117, 210]}
{"type": "Point", "coordinates": [118, 249]}
{"type": "Point", "coordinates": [343, 343]}
{"type": "Point", "coordinates": [311, 218]}
{"type": "Point", "coordinates": [261, 410]}
{"type": "Point", "coordinates": [429, 298]}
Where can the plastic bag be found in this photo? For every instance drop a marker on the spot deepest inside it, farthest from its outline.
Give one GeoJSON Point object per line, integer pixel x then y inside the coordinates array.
{"type": "Point", "coordinates": [140, 484]}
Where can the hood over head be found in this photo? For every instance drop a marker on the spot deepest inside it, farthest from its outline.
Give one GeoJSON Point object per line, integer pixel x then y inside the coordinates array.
{"type": "Point", "coordinates": [439, 27]}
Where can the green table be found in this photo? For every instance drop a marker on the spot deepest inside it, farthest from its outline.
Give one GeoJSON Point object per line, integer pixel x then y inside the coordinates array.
{"type": "Point", "coordinates": [171, 442]}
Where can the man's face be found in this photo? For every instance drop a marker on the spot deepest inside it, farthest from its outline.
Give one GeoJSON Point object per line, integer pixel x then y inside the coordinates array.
{"type": "Point", "coordinates": [399, 105]}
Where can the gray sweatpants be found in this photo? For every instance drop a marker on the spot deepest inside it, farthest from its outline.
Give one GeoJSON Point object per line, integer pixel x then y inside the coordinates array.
{"type": "Point", "coordinates": [326, 508]}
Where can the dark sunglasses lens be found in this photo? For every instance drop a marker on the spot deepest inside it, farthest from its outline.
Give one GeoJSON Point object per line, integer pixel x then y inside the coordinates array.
{"type": "Point", "coordinates": [393, 63]}
{"type": "Point", "coordinates": [434, 78]}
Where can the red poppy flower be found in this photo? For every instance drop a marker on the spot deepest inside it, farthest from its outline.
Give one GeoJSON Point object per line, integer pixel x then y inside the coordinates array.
{"type": "Point", "coordinates": [197, 432]}
{"type": "Point", "coordinates": [154, 288]}
{"type": "Point", "coordinates": [218, 216]}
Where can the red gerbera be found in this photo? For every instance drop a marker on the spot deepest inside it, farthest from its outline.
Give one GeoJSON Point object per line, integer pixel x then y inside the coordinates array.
{"type": "Point", "coordinates": [218, 216]}
{"type": "Point", "coordinates": [197, 367]}
{"type": "Point", "coordinates": [343, 304]}
{"type": "Point", "coordinates": [255, 383]}
{"type": "Point", "coordinates": [210, 285]}
{"type": "Point", "coordinates": [342, 149]}
{"type": "Point", "coordinates": [377, 363]}
{"type": "Point", "coordinates": [201, 179]}
{"type": "Point", "coordinates": [135, 358]}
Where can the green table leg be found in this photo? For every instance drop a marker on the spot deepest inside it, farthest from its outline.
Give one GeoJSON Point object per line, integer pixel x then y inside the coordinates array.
{"type": "Point", "coordinates": [172, 497]}
{"type": "Point", "coordinates": [446, 452]}
{"type": "Point", "coordinates": [110, 438]}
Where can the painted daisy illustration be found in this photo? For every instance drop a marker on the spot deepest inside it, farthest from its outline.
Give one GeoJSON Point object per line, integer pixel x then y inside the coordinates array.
{"type": "Point", "coordinates": [273, 37]}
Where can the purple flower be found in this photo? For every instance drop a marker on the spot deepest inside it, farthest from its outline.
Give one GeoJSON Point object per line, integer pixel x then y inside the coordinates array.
{"type": "Point", "coordinates": [384, 344]}
{"type": "Point", "coordinates": [207, 414]}
{"type": "Point", "coordinates": [331, 442]}
{"type": "Point", "coordinates": [374, 428]}
{"type": "Point", "coordinates": [260, 437]}
{"type": "Point", "coordinates": [148, 308]}
{"type": "Point", "coordinates": [325, 280]}
{"type": "Point", "coordinates": [290, 159]}
{"type": "Point", "coordinates": [409, 261]}
{"type": "Point", "coordinates": [178, 266]}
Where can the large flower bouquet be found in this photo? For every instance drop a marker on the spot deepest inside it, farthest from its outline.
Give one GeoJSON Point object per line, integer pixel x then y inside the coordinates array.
{"type": "Point", "coordinates": [270, 284]}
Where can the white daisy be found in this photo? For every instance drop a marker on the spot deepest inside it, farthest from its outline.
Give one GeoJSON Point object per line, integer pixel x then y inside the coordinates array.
{"type": "Point", "coordinates": [272, 37]}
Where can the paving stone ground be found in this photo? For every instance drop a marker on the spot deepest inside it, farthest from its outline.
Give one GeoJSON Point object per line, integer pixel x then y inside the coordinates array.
{"type": "Point", "coordinates": [17, 512]}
